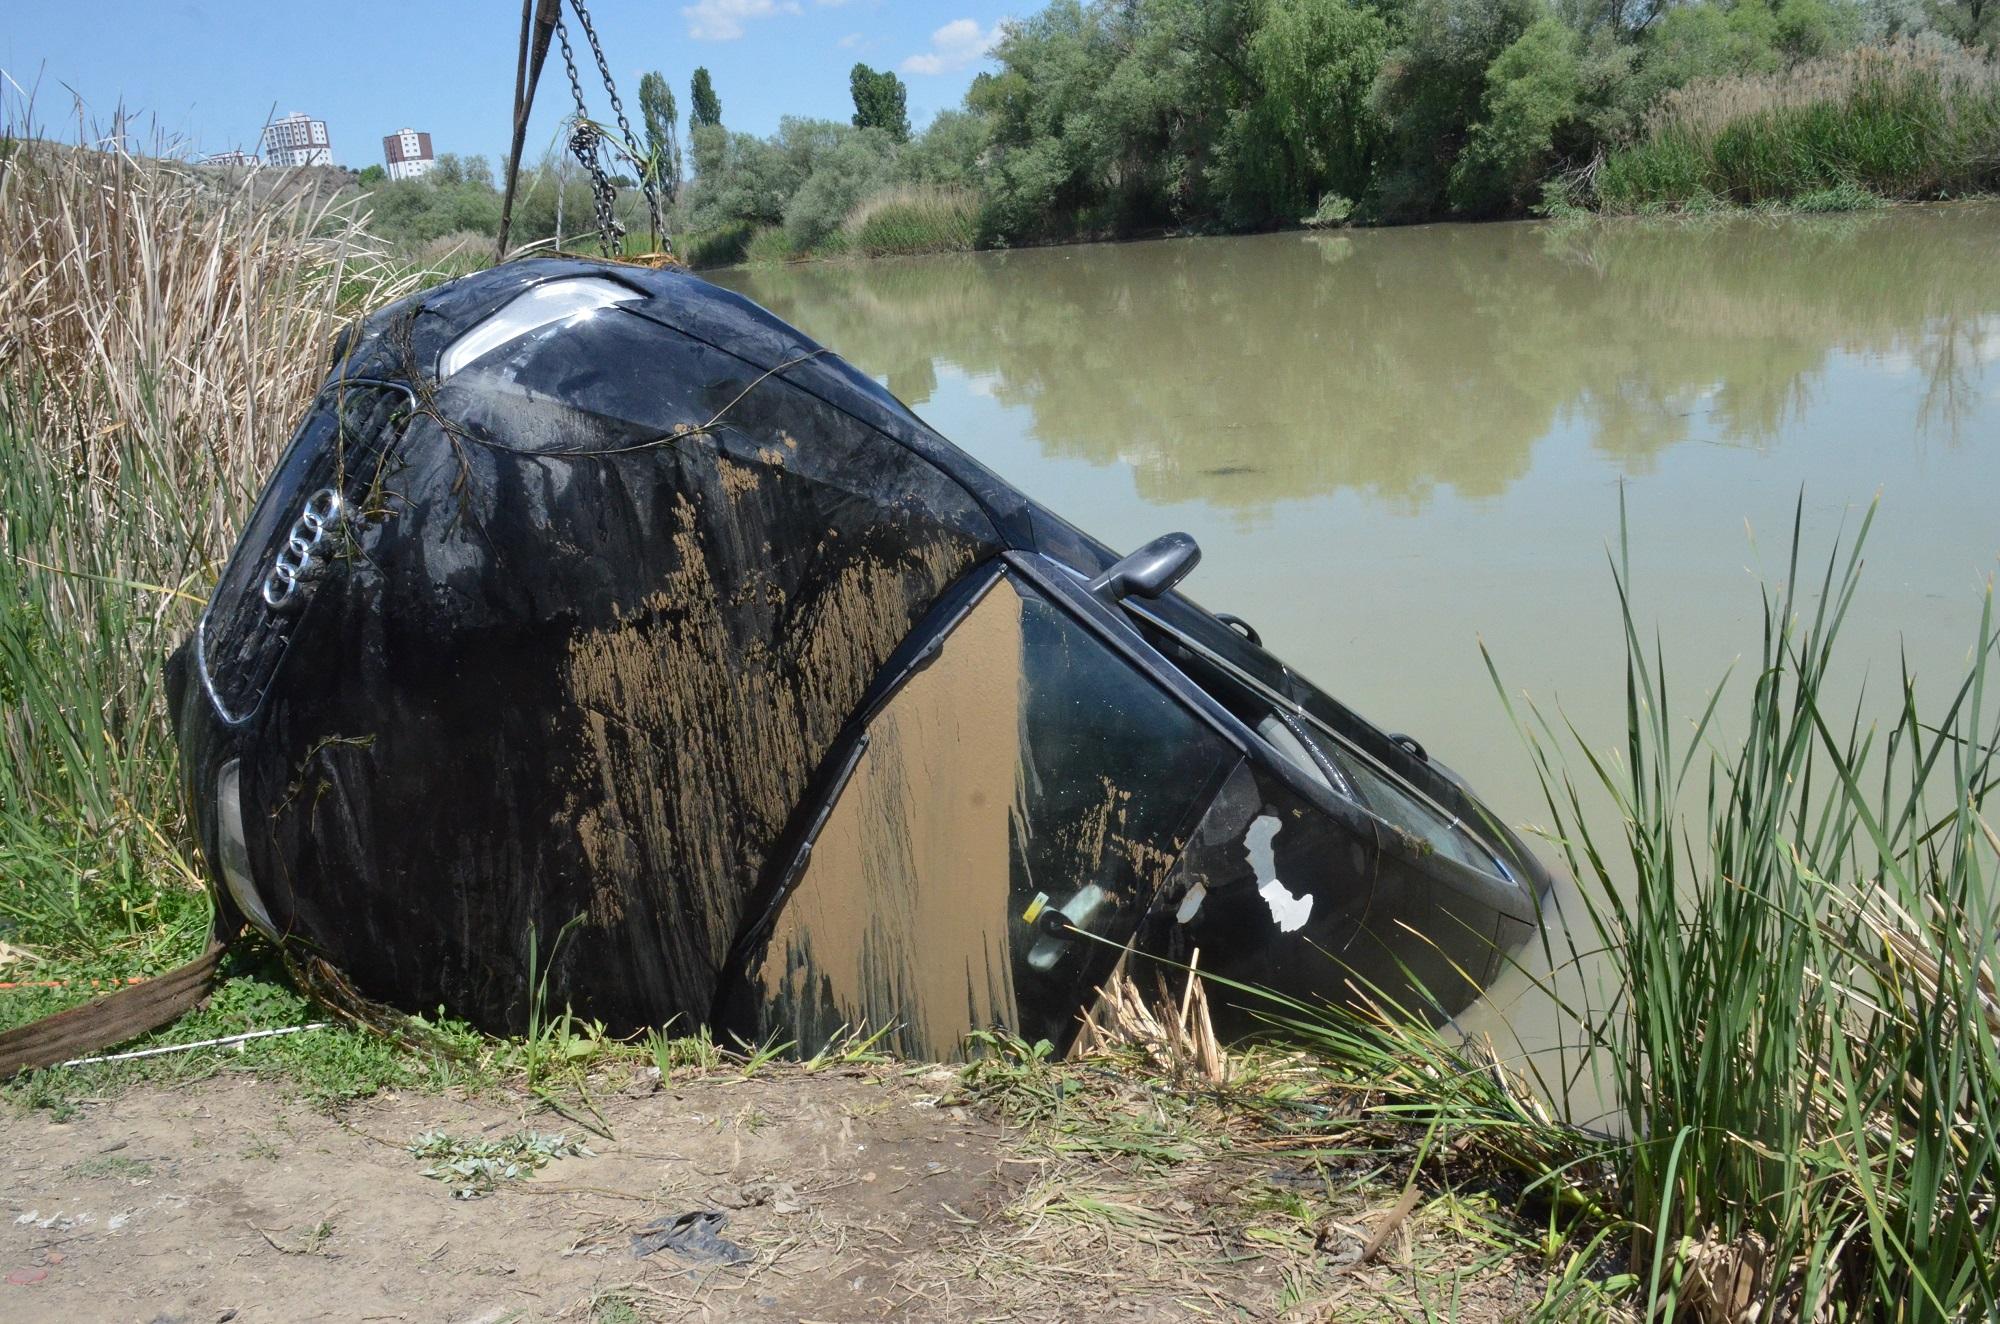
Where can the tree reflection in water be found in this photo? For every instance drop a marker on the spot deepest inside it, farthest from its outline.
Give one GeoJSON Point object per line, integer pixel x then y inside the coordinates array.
{"type": "Point", "coordinates": [1246, 371]}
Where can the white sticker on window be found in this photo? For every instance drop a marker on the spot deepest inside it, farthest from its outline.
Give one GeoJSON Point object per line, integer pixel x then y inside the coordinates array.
{"type": "Point", "coordinates": [1289, 911]}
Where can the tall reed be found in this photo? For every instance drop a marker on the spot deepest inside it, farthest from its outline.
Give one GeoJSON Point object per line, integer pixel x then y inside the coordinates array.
{"type": "Point", "coordinates": [1804, 1035]}
{"type": "Point", "coordinates": [913, 219]}
{"type": "Point", "coordinates": [1911, 119]}
{"type": "Point", "coordinates": [159, 335]}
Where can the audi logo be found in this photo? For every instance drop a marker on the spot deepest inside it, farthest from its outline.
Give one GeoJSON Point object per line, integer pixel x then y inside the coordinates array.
{"type": "Point", "coordinates": [306, 549]}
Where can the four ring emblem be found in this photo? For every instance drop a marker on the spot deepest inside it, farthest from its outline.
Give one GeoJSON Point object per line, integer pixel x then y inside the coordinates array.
{"type": "Point", "coordinates": [307, 549]}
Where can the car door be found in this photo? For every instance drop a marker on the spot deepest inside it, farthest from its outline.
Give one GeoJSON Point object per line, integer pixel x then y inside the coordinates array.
{"type": "Point", "coordinates": [1003, 819]}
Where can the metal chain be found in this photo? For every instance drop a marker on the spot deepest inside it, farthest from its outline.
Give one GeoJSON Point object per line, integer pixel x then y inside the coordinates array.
{"type": "Point", "coordinates": [624, 126]}
{"type": "Point", "coordinates": [583, 137]}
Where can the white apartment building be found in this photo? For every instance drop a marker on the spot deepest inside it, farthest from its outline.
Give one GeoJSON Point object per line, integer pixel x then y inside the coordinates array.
{"type": "Point", "coordinates": [408, 154]}
{"type": "Point", "coordinates": [233, 157]}
{"type": "Point", "coordinates": [297, 140]}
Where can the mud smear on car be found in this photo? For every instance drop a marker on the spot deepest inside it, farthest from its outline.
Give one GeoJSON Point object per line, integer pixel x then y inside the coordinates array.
{"type": "Point", "coordinates": [901, 916]}
{"type": "Point", "coordinates": [681, 747]}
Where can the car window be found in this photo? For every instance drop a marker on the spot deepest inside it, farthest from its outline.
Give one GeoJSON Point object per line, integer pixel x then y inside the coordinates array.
{"type": "Point", "coordinates": [1341, 767]}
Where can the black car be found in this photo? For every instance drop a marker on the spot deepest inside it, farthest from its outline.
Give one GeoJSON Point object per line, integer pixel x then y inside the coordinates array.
{"type": "Point", "coordinates": [595, 598]}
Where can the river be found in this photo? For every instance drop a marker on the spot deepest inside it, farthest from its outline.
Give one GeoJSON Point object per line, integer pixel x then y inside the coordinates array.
{"type": "Point", "coordinates": [1395, 445]}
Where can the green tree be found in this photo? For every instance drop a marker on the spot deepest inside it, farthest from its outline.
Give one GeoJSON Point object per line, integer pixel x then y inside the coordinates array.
{"type": "Point", "coordinates": [948, 151]}
{"type": "Point", "coordinates": [704, 107]}
{"type": "Point", "coordinates": [858, 165]}
{"type": "Point", "coordinates": [1311, 126]}
{"type": "Point", "coordinates": [452, 170]}
{"type": "Point", "coordinates": [1430, 94]}
{"type": "Point", "coordinates": [662, 121]}
{"type": "Point", "coordinates": [371, 175]}
{"type": "Point", "coordinates": [880, 101]}
{"type": "Point", "coordinates": [1532, 89]}
{"type": "Point", "coordinates": [1974, 22]}
{"type": "Point", "coordinates": [1054, 154]}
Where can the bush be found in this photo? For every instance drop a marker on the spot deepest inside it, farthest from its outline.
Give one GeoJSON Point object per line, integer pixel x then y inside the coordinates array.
{"type": "Point", "coordinates": [1333, 209]}
{"type": "Point", "coordinates": [861, 164]}
{"type": "Point", "coordinates": [414, 212]}
{"type": "Point", "coordinates": [1839, 198]}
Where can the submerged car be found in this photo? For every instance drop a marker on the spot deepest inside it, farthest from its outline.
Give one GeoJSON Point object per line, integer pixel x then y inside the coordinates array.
{"type": "Point", "coordinates": [597, 628]}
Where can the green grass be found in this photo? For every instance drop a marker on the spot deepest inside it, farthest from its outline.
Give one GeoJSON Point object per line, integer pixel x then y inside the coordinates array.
{"type": "Point", "coordinates": [326, 1065]}
{"type": "Point", "coordinates": [768, 246]}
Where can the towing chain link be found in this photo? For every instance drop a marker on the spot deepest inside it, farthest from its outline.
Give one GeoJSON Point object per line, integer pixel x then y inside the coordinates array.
{"type": "Point", "coordinates": [646, 175]}
{"type": "Point", "coordinates": [583, 138]}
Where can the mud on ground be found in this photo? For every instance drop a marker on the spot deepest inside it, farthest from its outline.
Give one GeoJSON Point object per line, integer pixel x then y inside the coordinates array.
{"type": "Point", "coordinates": [863, 1193]}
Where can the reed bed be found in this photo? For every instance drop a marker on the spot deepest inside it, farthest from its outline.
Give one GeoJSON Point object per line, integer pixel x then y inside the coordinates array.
{"type": "Point", "coordinates": [914, 219]}
{"type": "Point", "coordinates": [160, 332]}
{"type": "Point", "coordinates": [1801, 929]}
{"type": "Point", "coordinates": [1910, 119]}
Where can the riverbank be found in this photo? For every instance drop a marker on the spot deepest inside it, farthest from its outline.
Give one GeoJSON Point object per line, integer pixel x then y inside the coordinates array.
{"type": "Point", "coordinates": [854, 1190]}
{"type": "Point", "coordinates": [740, 250]}
{"type": "Point", "coordinates": [1409, 118]}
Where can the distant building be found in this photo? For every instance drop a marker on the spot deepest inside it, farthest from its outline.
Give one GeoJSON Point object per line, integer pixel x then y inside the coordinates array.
{"type": "Point", "coordinates": [297, 140]}
{"type": "Point", "coordinates": [408, 154]}
{"type": "Point", "coordinates": [233, 157]}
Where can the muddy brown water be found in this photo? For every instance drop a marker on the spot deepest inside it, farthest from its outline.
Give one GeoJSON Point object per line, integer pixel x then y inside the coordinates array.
{"type": "Point", "coordinates": [1396, 445]}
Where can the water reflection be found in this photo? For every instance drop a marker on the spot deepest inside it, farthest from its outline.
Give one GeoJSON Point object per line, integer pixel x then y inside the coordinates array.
{"type": "Point", "coordinates": [1246, 372]}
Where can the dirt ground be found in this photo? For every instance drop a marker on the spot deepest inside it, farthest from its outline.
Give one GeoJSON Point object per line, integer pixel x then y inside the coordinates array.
{"type": "Point", "coordinates": [855, 1194]}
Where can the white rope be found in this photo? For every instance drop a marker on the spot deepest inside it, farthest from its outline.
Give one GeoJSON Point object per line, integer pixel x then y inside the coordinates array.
{"type": "Point", "coordinates": [223, 1042]}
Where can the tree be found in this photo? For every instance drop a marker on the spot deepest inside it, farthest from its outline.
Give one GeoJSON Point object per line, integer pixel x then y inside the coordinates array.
{"type": "Point", "coordinates": [704, 107]}
{"type": "Point", "coordinates": [371, 176]}
{"type": "Point", "coordinates": [1054, 155]}
{"type": "Point", "coordinates": [663, 145]}
{"type": "Point", "coordinates": [880, 102]}
{"type": "Point", "coordinates": [1532, 89]}
{"type": "Point", "coordinates": [1310, 127]}
{"type": "Point", "coordinates": [948, 151]}
{"type": "Point", "coordinates": [1430, 93]}
{"type": "Point", "coordinates": [1974, 22]}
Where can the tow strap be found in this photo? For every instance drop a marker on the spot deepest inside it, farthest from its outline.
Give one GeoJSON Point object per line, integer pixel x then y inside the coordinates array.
{"type": "Point", "coordinates": [111, 1019]}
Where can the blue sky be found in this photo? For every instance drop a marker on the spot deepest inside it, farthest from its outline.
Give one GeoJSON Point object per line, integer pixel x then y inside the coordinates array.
{"type": "Point", "coordinates": [209, 72]}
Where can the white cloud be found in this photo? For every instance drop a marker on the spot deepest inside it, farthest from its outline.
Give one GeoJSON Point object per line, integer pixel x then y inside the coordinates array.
{"type": "Point", "coordinates": [849, 42]}
{"type": "Point", "coordinates": [955, 45]}
{"type": "Point", "coordinates": [722, 20]}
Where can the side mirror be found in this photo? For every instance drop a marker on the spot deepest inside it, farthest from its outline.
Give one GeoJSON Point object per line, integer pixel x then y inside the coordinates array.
{"type": "Point", "coordinates": [1150, 571]}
